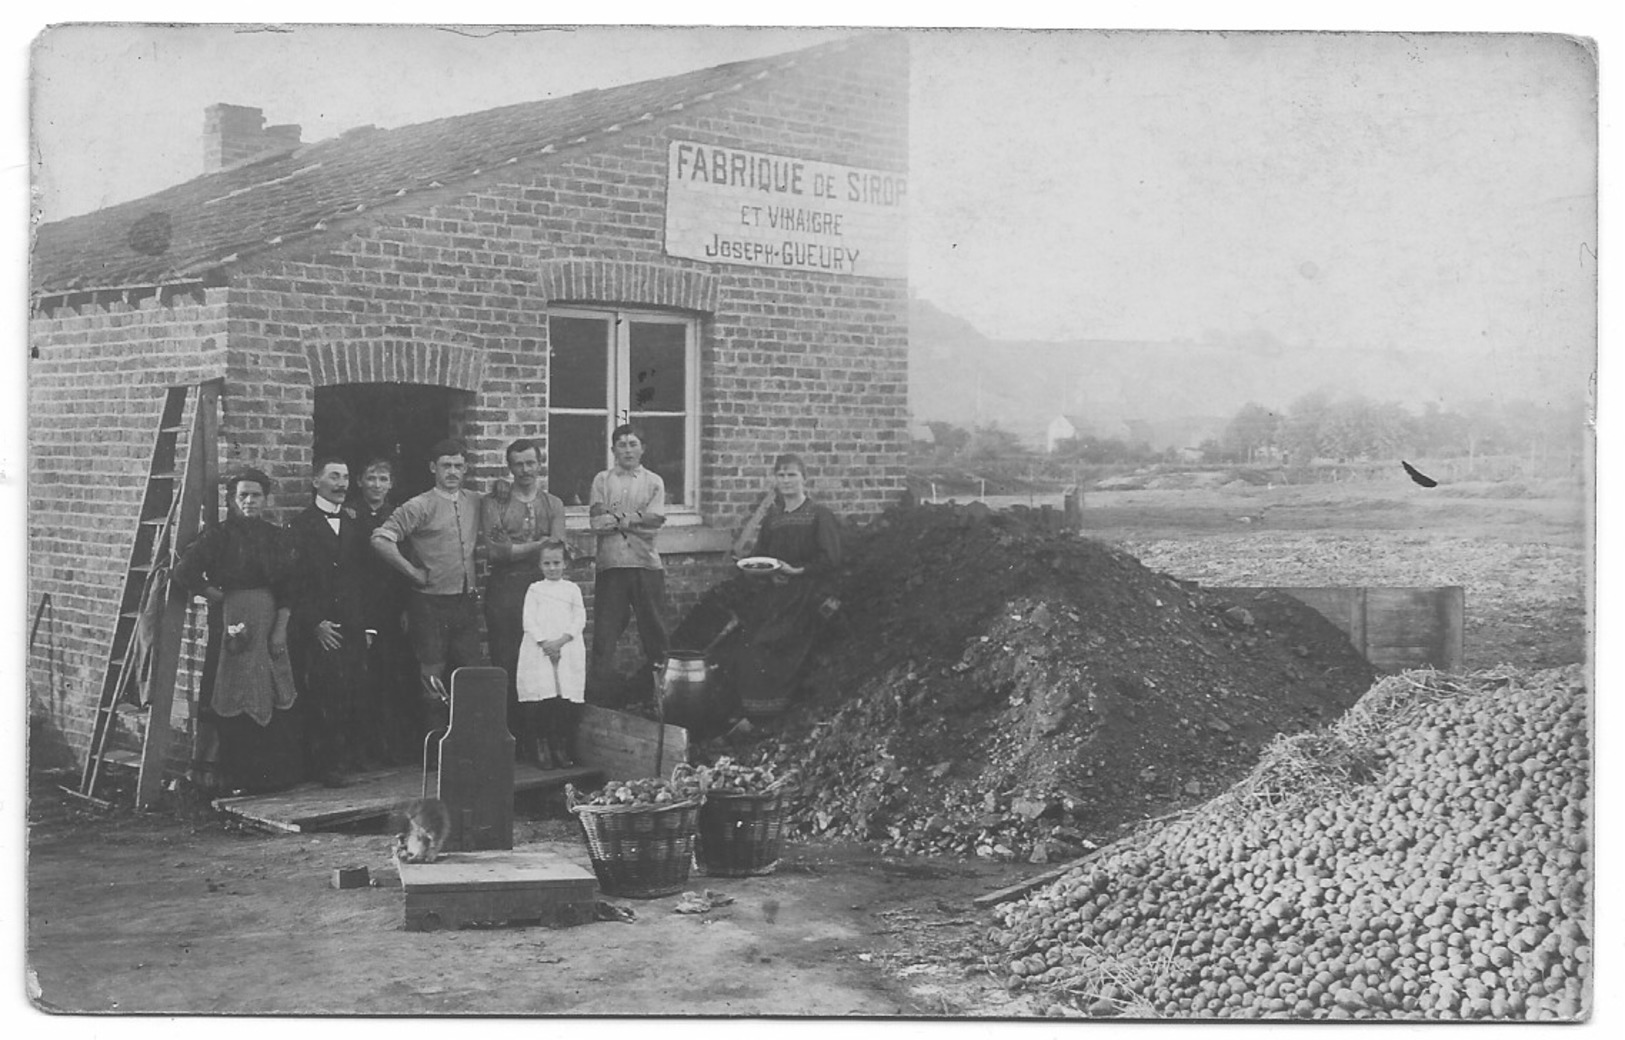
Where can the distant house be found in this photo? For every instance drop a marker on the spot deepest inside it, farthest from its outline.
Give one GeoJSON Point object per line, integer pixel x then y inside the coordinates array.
{"type": "Point", "coordinates": [720, 256]}
{"type": "Point", "coordinates": [1065, 428]}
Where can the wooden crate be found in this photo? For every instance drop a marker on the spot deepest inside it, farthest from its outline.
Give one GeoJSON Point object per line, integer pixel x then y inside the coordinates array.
{"type": "Point", "coordinates": [624, 747]}
{"type": "Point", "coordinates": [1394, 627]}
{"type": "Point", "coordinates": [501, 886]}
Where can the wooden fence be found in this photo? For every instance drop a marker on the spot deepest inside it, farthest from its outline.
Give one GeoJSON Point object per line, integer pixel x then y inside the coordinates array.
{"type": "Point", "coordinates": [1394, 628]}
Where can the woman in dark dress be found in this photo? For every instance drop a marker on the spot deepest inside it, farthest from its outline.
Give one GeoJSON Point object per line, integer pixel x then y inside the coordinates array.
{"type": "Point", "coordinates": [247, 738]}
{"type": "Point", "coordinates": [780, 621]}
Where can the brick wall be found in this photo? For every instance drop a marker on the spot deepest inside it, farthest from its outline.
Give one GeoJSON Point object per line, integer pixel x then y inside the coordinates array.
{"type": "Point", "coordinates": [454, 292]}
{"type": "Point", "coordinates": [810, 362]}
{"type": "Point", "coordinates": [96, 388]}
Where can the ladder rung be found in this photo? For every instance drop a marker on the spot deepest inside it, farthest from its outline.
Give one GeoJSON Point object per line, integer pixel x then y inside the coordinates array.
{"type": "Point", "coordinates": [157, 521]}
{"type": "Point", "coordinates": [172, 429]}
{"type": "Point", "coordinates": [130, 713]}
{"type": "Point", "coordinates": [131, 759]}
{"type": "Point", "coordinates": [166, 475]}
{"type": "Point", "coordinates": [142, 568]}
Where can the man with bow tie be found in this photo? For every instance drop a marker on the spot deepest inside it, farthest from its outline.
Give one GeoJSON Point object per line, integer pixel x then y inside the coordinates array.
{"type": "Point", "coordinates": [327, 631]}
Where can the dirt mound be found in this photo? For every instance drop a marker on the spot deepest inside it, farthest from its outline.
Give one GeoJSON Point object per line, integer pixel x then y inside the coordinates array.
{"type": "Point", "coordinates": [995, 686]}
{"type": "Point", "coordinates": [1425, 857]}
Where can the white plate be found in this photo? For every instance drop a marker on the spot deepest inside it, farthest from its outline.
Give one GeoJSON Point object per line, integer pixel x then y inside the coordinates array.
{"type": "Point", "coordinates": [760, 564]}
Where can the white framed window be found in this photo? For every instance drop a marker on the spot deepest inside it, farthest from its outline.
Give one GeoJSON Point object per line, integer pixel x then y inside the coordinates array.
{"type": "Point", "coordinates": [608, 366]}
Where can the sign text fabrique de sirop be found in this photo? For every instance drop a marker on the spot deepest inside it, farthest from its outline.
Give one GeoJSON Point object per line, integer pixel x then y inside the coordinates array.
{"type": "Point", "coordinates": [726, 205]}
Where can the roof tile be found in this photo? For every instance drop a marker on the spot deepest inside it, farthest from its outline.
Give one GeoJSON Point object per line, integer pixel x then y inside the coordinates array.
{"type": "Point", "coordinates": [245, 211]}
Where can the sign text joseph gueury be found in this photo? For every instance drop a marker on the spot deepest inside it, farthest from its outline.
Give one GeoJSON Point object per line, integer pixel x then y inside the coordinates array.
{"type": "Point", "coordinates": [724, 205]}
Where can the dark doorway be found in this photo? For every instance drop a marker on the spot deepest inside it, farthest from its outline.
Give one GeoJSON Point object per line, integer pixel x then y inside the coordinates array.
{"type": "Point", "coordinates": [398, 421]}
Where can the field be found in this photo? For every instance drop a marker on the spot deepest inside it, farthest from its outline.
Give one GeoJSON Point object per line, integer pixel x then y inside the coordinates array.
{"type": "Point", "coordinates": [180, 912]}
{"type": "Point", "coordinates": [1518, 551]}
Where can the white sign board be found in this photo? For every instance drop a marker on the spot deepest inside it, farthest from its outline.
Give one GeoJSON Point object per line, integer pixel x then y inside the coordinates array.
{"type": "Point", "coordinates": [728, 206]}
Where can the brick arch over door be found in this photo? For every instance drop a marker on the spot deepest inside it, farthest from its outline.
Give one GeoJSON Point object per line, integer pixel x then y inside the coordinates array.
{"type": "Point", "coordinates": [459, 366]}
{"type": "Point", "coordinates": [629, 282]}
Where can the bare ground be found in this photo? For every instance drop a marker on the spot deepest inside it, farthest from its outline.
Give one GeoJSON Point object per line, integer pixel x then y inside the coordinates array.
{"type": "Point", "coordinates": [143, 913]}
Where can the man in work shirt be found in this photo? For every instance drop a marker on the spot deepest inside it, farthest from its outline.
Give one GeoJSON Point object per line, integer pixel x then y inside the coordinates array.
{"type": "Point", "coordinates": [626, 508]}
{"type": "Point", "coordinates": [442, 527]}
{"type": "Point", "coordinates": [514, 526]}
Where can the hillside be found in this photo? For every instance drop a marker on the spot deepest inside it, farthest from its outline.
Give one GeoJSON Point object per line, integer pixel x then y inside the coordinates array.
{"type": "Point", "coordinates": [959, 375]}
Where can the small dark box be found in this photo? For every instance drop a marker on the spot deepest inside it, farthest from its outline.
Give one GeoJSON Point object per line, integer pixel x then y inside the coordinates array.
{"type": "Point", "coordinates": [351, 877]}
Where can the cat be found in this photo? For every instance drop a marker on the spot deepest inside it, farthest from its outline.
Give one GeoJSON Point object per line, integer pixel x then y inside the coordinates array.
{"type": "Point", "coordinates": [423, 825]}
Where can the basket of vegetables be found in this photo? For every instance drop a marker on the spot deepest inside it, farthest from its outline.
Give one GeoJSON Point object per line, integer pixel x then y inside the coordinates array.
{"type": "Point", "coordinates": [742, 821]}
{"type": "Point", "coordinates": [640, 834]}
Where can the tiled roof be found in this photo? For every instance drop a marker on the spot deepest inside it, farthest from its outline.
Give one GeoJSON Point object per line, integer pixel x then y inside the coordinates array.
{"type": "Point", "coordinates": [182, 233]}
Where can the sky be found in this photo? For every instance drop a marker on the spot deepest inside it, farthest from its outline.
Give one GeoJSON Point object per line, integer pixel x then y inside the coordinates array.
{"type": "Point", "coordinates": [1328, 192]}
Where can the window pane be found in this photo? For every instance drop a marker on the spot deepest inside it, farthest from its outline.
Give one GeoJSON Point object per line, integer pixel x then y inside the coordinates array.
{"type": "Point", "coordinates": [576, 452]}
{"type": "Point", "coordinates": [578, 362]}
{"type": "Point", "coordinates": [666, 453]}
{"type": "Point", "coordinates": [657, 379]}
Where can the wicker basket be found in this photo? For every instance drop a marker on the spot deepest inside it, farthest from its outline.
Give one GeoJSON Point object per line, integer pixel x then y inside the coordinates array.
{"type": "Point", "coordinates": [740, 834]}
{"type": "Point", "coordinates": [640, 851]}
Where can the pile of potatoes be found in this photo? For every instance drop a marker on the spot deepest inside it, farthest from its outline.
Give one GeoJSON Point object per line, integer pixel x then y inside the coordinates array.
{"type": "Point", "coordinates": [644, 792]}
{"type": "Point", "coordinates": [1448, 877]}
{"type": "Point", "coordinates": [726, 776]}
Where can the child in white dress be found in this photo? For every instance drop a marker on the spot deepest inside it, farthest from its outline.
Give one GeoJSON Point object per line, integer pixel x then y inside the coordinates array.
{"type": "Point", "coordinates": [552, 672]}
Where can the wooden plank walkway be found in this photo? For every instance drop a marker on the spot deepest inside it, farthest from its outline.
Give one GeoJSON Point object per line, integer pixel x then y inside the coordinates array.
{"type": "Point", "coordinates": [312, 807]}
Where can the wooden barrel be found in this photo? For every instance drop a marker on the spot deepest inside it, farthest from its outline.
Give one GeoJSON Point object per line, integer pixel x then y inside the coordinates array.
{"type": "Point", "coordinates": [688, 694]}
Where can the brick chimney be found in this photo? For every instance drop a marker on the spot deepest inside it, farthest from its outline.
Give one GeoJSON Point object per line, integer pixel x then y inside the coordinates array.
{"type": "Point", "coordinates": [235, 134]}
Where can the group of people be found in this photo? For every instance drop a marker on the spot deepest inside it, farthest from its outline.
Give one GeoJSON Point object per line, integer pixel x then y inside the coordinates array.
{"type": "Point", "coordinates": [331, 641]}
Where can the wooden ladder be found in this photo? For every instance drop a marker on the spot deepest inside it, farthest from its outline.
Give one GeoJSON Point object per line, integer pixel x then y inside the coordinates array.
{"type": "Point", "coordinates": [174, 503]}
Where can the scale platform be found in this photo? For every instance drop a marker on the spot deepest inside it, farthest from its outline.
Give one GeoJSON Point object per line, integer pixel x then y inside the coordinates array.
{"type": "Point", "coordinates": [497, 886]}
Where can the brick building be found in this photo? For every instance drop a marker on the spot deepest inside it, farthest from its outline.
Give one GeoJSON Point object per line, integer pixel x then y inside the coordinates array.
{"type": "Point", "coordinates": [719, 255]}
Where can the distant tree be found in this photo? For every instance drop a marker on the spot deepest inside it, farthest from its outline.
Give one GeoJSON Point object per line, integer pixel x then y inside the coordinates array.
{"type": "Point", "coordinates": [1303, 431]}
{"type": "Point", "coordinates": [1484, 429]}
{"type": "Point", "coordinates": [1440, 433]}
{"type": "Point", "coordinates": [1251, 430]}
{"type": "Point", "coordinates": [1358, 428]}
{"type": "Point", "coordinates": [1345, 432]}
{"type": "Point", "coordinates": [993, 442]}
{"type": "Point", "coordinates": [1393, 430]}
{"type": "Point", "coordinates": [1095, 450]}
{"type": "Point", "coordinates": [949, 439]}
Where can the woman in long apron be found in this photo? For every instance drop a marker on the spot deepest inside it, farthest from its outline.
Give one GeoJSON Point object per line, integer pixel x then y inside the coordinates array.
{"type": "Point", "coordinates": [781, 619]}
{"type": "Point", "coordinates": [247, 736]}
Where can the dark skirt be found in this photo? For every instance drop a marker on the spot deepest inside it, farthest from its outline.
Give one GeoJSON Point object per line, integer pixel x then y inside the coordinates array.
{"type": "Point", "coordinates": [237, 751]}
{"type": "Point", "coordinates": [255, 758]}
{"type": "Point", "coordinates": [779, 625]}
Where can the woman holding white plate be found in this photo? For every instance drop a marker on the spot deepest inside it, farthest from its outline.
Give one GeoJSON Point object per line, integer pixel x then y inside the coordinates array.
{"type": "Point", "coordinates": [781, 620]}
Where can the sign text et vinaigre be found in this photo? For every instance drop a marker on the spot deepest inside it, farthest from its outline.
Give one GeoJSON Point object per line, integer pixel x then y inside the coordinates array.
{"type": "Point", "coordinates": [727, 205]}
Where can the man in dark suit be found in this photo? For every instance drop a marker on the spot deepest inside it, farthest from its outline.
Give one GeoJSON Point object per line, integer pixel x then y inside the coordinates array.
{"type": "Point", "coordinates": [327, 628]}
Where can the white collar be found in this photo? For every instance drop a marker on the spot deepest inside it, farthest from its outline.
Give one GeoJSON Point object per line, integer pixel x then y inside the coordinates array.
{"type": "Point", "coordinates": [330, 508]}
{"type": "Point", "coordinates": [449, 496]}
